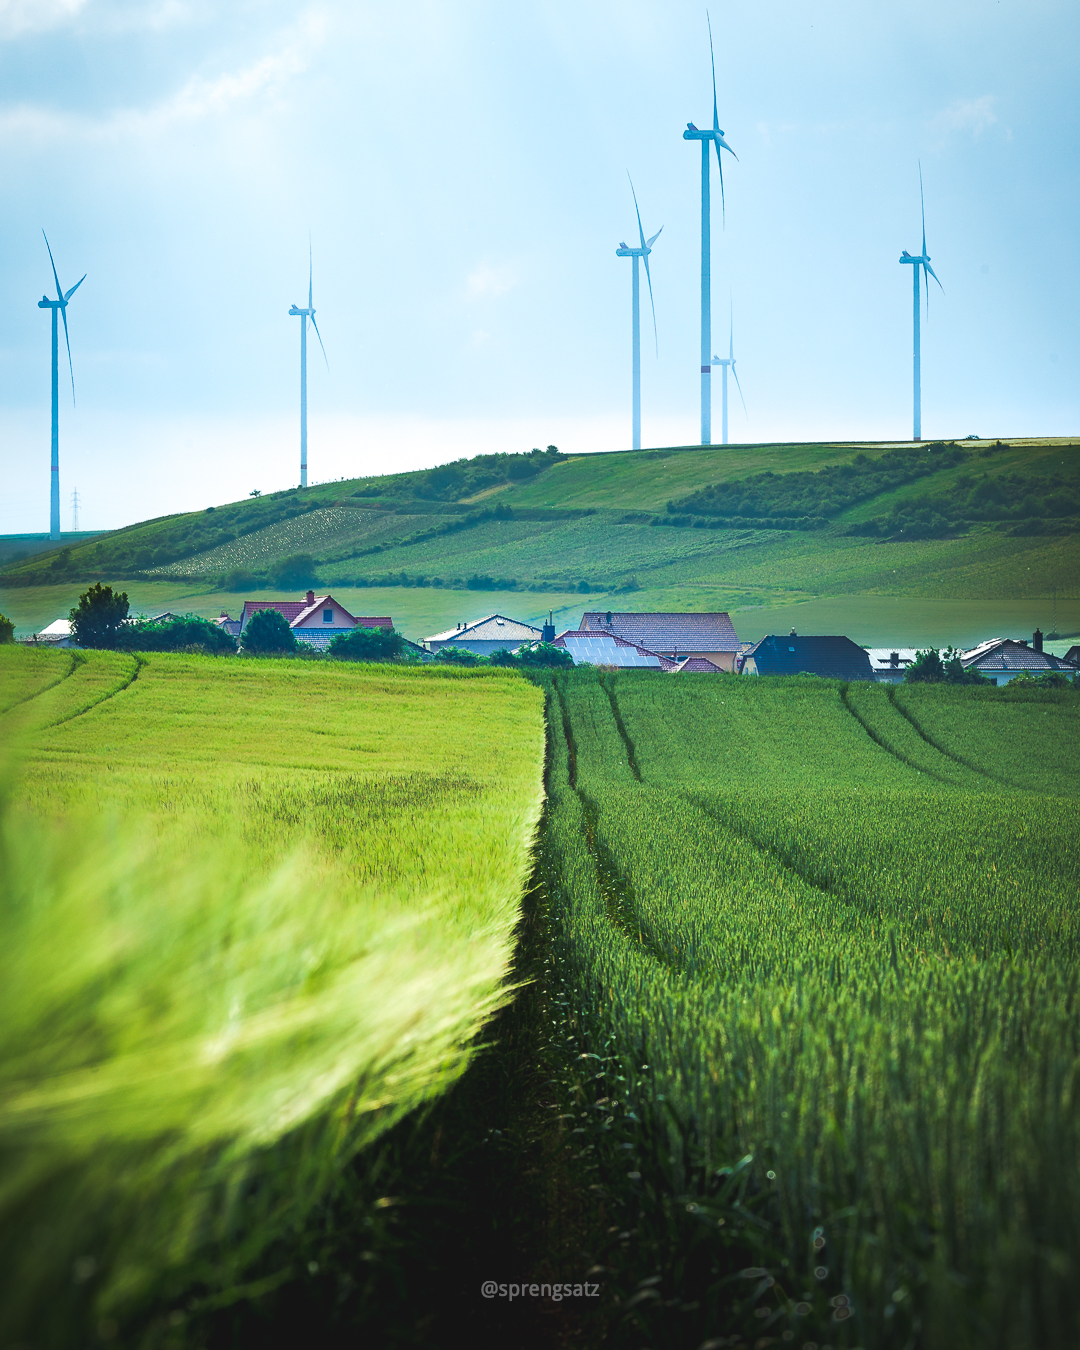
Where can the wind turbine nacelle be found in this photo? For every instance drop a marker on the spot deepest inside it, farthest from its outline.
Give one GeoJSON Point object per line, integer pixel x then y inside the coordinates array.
{"type": "Point", "coordinates": [697, 134]}
{"type": "Point", "coordinates": [294, 310]}
{"type": "Point", "coordinates": [906, 257]}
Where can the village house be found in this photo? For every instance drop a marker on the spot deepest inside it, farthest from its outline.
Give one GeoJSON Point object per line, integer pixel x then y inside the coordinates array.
{"type": "Point", "coordinates": [1002, 659]}
{"type": "Point", "coordinates": [833, 658]}
{"type": "Point", "coordinates": [493, 633]}
{"type": "Point", "coordinates": [674, 636]}
{"type": "Point", "coordinates": [591, 648]}
{"type": "Point", "coordinates": [889, 663]}
{"type": "Point", "coordinates": [315, 620]}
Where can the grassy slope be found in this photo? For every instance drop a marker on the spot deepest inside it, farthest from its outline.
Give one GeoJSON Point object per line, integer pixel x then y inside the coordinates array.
{"type": "Point", "coordinates": [981, 583]}
{"type": "Point", "coordinates": [279, 901]}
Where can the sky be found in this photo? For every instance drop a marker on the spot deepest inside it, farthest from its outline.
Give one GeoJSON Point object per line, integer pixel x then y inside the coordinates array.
{"type": "Point", "coordinates": [461, 171]}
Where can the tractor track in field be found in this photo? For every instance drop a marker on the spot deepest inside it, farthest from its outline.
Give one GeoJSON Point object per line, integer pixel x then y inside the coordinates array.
{"type": "Point", "coordinates": [111, 693]}
{"type": "Point", "coordinates": [880, 740]}
{"type": "Point", "coordinates": [76, 661]}
{"type": "Point", "coordinates": [908, 717]}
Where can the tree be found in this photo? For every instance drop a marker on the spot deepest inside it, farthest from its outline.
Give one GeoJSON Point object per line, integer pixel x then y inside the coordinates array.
{"type": "Point", "coordinates": [544, 655]}
{"type": "Point", "coordinates": [955, 672]}
{"type": "Point", "coordinates": [368, 644]}
{"type": "Point", "coordinates": [7, 629]}
{"type": "Point", "coordinates": [925, 669]}
{"type": "Point", "coordinates": [295, 572]}
{"type": "Point", "coordinates": [96, 619]}
{"type": "Point", "coordinates": [268, 631]}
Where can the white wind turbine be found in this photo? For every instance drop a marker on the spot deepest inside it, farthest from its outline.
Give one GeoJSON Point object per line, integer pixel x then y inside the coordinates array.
{"type": "Point", "coordinates": [305, 314]}
{"type": "Point", "coordinates": [923, 261]}
{"type": "Point", "coordinates": [625, 251]}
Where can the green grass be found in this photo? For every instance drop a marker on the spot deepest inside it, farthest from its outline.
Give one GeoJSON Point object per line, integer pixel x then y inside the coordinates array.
{"type": "Point", "coordinates": [256, 911]}
{"type": "Point", "coordinates": [831, 933]}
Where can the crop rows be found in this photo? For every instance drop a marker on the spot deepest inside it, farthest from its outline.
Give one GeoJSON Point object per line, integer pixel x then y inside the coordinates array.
{"type": "Point", "coordinates": [848, 952]}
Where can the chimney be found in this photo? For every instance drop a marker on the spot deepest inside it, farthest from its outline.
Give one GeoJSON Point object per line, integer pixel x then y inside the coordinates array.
{"type": "Point", "coordinates": [547, 633]}
{"type": "Point", "coordinates": [793, 633]}
{"type": "Point", "coordinates": [1036, 640]}
{"type": "Point", "coordinates": [894, 658]}
{"type": "Point", "coordinates": [311, 597]}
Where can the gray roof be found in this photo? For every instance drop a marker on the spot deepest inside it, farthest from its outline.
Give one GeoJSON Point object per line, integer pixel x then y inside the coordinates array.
{"type": "Point", "coordinates": [1003, 654]}
{"type": "Point", "coordinates": [667, 632]}
{"type": "Point", "coordinates": [834, 658]}
{"type": "Point", "coordinates": [491, 628]}
{"type": "Point", "coordinates": [881, 657]}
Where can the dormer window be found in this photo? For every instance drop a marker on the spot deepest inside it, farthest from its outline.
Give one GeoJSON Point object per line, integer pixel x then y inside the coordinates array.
{"type": "Point", "coordinates": [328, 616]}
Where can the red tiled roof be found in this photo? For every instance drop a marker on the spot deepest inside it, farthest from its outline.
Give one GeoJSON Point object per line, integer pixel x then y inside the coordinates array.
{"type": "Point", "coordinates": [697, 665]}
{"type": "Point", "coordinates": [295, 611]}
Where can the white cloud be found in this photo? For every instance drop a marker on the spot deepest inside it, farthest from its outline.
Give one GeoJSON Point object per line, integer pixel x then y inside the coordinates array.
{"type": "Point", "coordinates": [489, 280]}
{"type": "Point", "coordinates": [967, 114]}
{"type": "Point", "coordinates": [200, 97]}
{"type": "Point", "coordinates": [35, 16]}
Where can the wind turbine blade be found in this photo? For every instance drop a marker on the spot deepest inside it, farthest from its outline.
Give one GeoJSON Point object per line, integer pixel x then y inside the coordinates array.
{"type": "Point", "coordinates": [641, 232]}
{"type": "Point", "coordinates": [649, 242]}
{"type": "Point", "coordinates": [59, 292]}
{"type": "Point", "coordinates": [648, 278]}
{"type": "Point", "coordinates": [69, 294]}
{"type": "Point", "coordinates": [738, 386]}
{"type": "Point", "coordinates": [309, 279]}
{"type": "Point", "coordinates": [935, 276]}
{"type": "Point", "coordinates": [712, 58]}
{"type": "Point", "coordinates": [731, 336]}
{"type": "Point", "coordinates": [319, 336]}
{"type": "Point", "coordinates": [922, 203]}
{"type": "Point", "coordinates": [71, 368]}
{"type": "Point", "coordinates": [723, 204]}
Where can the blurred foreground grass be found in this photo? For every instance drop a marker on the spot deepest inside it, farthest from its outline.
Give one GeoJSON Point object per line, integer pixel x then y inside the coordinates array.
{"type": "Point", "coordinates": [255, 912]}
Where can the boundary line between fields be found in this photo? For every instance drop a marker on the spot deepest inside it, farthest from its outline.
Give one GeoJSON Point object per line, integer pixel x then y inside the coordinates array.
{"type": "Point", "coordinates": [608, 687]}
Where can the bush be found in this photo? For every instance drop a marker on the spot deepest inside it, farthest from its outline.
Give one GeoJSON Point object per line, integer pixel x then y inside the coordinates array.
{"type": "Point", "coordinates": [268, 631]}
{"type": "Point", "coordinates": [459, 656]}
{"type": "Point", "coordinates": [240, 579]}
{"type": "Point", "coordinates": [368, 644]}
{"type": "Point", "coordinates": [7, 629]}
{"type": "Point", "coordinates": [544, 655]}
{"type": "Point", "coordinates": [295, 572]}
{"type": "Point", "coordinates": [929, 668]}
{"type": "Point", "coordinates": [96, 619]}
{"type": "Point", "coordinates": [175, 635]}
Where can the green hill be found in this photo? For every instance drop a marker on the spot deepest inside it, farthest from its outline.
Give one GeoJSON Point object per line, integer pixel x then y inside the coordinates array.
{"type": "Point", "coordinates": [975, 524]}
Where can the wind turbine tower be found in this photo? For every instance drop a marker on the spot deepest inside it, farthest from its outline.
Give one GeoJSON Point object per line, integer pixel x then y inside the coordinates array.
{"type": "Point", "coordinates": [715, 137]}
{"type": "Point", "coordinates": [923, 261]}
{"type": "Point", "coordinates": [625, 251]}
{"type": "Point", "coordinates": [60, 305]}
{"type": "Point", "coordinates": [305, 314]}
{"type": "Point", "coordinates": [725, 362]}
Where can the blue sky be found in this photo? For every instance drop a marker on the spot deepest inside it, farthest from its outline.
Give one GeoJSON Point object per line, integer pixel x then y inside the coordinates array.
{"type": "Point", "coordinates": [461, 168]}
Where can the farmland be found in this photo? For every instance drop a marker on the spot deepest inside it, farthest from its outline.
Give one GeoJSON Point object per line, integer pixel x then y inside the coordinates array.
{"type": "Point", "coordinates": [821, 951]}
{"type": "Point", "coordinates": [256, 913]}
{"type": "Point", "coordinates": [975, 531]}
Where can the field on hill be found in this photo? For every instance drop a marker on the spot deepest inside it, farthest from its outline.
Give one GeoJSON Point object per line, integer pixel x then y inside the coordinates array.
{"type": "Point", "coordinates": [816, 982]}
{"type": "Point", "coordinates": [739, 528]}
{"type": "Point", "coordinates": [256, 911]}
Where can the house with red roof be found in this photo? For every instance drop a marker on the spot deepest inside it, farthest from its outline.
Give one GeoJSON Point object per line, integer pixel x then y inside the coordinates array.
{"type": "Point", "coordinates": [315, 620]}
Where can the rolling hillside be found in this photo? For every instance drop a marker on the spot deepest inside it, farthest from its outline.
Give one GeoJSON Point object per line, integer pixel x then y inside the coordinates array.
{"type": "Point", "coordinates": [761, 527]}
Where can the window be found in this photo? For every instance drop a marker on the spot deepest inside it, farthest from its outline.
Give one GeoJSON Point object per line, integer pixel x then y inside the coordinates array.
{"type": "Point", "coordinates": [328, 616]}
{"type": "Point", "coordinates": [791, 649]}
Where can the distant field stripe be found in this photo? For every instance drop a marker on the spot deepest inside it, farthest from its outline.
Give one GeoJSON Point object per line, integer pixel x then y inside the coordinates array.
{"type": "Point", "coordinates": [109, 693]}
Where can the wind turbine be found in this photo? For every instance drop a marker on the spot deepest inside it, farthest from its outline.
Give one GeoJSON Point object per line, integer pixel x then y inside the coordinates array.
{"type": "Point", "coordinates": [725, 362]}
{"type": "Point", "coordinates": [716, 137]}
{"type": "Point", "coordinates": [59, 304]}
{"type": "Point", "coordinates": [923, 261]}
{"type": "Point", "coordinates": [306, 314]}
{"type": "Point", "coordinates": [625, 251]}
